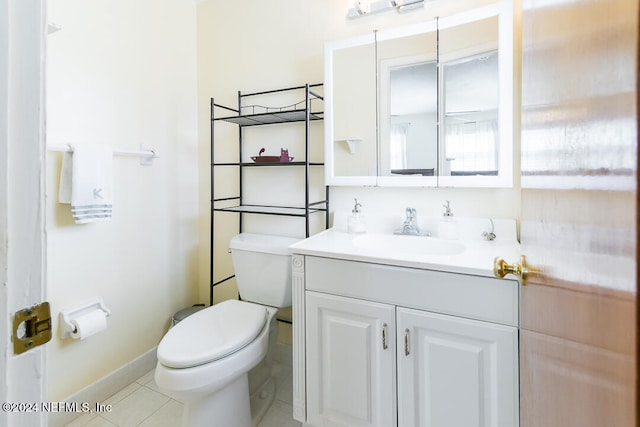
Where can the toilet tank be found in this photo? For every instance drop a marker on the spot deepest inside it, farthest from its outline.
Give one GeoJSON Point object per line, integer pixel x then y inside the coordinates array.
{"type": "Point", "coordinates": [262, 265]}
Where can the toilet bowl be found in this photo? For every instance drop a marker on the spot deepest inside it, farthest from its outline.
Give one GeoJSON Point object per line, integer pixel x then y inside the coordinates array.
{"type": "Point", "coordinates": [206, 360]}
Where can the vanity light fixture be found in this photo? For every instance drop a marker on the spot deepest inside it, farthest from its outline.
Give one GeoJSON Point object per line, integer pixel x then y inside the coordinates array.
{"type": "Point", "coordinates": [368, 7]}
{"type": "Point", "coordinates": [361, 7]}
{"type": "Point", "coordinates": [408, 5]}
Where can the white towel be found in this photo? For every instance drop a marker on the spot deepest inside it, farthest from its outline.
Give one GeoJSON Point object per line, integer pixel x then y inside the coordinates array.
{"type": "Point", "coordinates": [86, 183]}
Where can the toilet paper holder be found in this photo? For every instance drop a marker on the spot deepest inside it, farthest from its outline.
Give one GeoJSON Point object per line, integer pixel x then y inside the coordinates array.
{"type": "Point", "coordinates": [66, 316]}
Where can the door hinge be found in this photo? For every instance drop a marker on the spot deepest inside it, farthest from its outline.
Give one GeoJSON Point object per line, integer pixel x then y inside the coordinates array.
{"type": "Point", "coordinates": [31, 327]}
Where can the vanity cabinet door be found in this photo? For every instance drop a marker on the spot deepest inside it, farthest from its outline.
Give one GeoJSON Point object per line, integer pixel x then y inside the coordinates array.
{"type": "Point", "coordinates": [350, 354]}
{"type": "Point", "coordinates": [455, 372]}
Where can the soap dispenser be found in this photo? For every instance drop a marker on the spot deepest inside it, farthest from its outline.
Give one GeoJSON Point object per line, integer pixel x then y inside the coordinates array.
{"type": "Point", "coordinates": [356, 222]}
{"type": "Point", "coordinates": [448, 227]}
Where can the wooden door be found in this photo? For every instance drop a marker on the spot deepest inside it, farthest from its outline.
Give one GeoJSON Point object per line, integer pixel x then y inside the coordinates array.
{"type": "Point", "coordinates": [22, 195]}
{"type": "Point", "coordinates": [350, 362]}
{"type": "Point", "coordinates": [455, 372]}
{"type": "Point", "coordinates": [579, 197]}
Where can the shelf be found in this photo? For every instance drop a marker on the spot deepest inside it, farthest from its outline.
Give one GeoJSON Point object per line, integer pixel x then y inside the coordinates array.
{"type": "Point", "coordinates": [253, 114]}
{"type": "Point", "coordinates": [272, 210]}
{"type": "Point", "coordinates": [272, 117]}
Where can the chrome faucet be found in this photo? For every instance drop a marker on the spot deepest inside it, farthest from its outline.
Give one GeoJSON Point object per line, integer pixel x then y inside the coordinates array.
{"type": "Point", "coordinates": [410, 225]}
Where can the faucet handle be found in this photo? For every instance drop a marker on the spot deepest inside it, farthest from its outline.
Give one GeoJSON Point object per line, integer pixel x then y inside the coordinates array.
{"type": "Point", "coordinates": [447, 209]}
{"type": "Point", "coordinates": [356, 206]}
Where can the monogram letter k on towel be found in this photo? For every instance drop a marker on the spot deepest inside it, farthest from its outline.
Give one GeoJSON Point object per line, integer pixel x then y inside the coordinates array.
{"type": "Point", "coordinates": [90, 181]}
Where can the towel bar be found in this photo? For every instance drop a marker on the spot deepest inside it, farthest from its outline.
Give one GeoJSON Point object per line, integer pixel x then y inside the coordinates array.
{"type": "Point", "coordinates": [146, 154]}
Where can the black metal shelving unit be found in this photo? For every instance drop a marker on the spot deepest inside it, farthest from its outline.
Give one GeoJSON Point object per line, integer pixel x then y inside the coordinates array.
{"type": "Point", "coordinates": [254, 115]}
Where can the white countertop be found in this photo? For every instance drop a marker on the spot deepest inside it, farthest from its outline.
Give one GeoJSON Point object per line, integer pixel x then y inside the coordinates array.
{"type": "Point", "coordinates": [476, 259]}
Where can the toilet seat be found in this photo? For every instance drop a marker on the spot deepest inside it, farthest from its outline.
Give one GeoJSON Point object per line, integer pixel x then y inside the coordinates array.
{"type": "Point", "coordinates": [212, 334]}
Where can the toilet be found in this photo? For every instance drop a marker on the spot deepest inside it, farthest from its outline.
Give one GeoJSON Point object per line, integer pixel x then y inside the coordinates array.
{"type": "Point", "coordinates": [218, 360]}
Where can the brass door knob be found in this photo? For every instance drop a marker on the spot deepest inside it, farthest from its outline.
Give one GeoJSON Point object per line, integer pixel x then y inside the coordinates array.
{"type": "Point", "coordinates": [501, 268]}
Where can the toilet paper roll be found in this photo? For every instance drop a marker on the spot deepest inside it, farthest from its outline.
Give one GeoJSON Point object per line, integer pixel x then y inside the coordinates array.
{"type": "Point", "coordinates": [89, 324]}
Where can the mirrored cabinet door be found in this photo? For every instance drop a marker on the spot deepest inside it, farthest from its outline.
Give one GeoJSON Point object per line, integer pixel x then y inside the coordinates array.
{"type": "Point", "coordinates": [476, 90]}
{"type": "Point", "coordinates": [350, 111]}
{"type": "Point", "coordinates": [470, 136]}
{"type": "Point", "coordinates": [408, 103]}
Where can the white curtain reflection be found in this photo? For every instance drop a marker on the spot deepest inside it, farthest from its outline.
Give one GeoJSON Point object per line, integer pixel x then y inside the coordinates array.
{"type": "Point", "coordinates": [472, 146]}
{"type": "Point", "coordinates": [398, 145]}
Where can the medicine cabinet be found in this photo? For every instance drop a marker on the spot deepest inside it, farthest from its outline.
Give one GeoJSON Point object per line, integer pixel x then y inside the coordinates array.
{"type": "Point", "coordinates": [428, 104]}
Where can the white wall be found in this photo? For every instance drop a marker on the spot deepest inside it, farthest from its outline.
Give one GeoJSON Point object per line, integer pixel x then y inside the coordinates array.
{"type": "Point", "coordinates": [269, 44]}
{"type": "Point", "coordinates": [123, 73]}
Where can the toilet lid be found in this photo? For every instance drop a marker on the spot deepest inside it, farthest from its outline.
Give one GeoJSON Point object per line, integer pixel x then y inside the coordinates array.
{"type": "Point", "coordinates": [211, 334]}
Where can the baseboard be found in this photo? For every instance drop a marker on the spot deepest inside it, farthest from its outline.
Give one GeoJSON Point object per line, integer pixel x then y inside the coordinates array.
{"type": "Point", "coordinates": [105, 387]}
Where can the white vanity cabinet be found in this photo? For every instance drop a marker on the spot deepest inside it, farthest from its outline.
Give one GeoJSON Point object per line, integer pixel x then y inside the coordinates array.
{"type": "Point", "coordinates": [350, 362]}
{"type": "Point", "coordinates": [380, 345]}
{"type": "Point", "coordinates": [454, 371]}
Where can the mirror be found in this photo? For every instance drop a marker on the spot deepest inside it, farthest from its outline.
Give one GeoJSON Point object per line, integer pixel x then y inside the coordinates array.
{"type": "Point", "coordinates": [434, 109]}
{"type": "Point", "coordinates": [350, 111]}
{"type": "Point", "coordinates": [475, 59]}
{"type": "Point", "coordinates": [408, 102]}
{"type": "Point", "coordinates": [470, 134]}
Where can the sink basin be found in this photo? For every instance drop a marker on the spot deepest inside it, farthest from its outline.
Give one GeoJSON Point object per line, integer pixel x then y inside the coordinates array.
{"type": "Point", "coordinates": [408, 244]}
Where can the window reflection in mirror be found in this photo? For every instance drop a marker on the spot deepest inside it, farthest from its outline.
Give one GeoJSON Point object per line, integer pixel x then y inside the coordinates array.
{"type": "Point", "coordinates": [408, 105]}
{"type": "Point", "coordinates": [354, 110]}
{"type": "Point", "coordinates": [470, 99]}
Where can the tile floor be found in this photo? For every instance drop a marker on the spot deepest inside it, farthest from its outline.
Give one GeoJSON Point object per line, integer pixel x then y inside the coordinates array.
{"type": "Point", "coordinates": [142, 404]}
